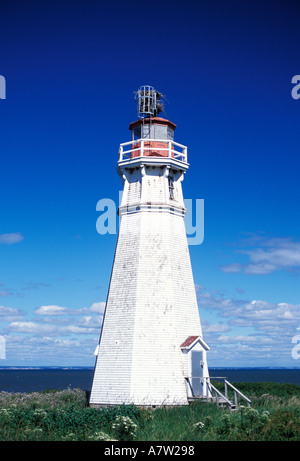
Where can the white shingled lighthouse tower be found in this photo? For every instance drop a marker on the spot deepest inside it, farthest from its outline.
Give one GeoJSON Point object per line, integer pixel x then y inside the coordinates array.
{"type": "Point", "coordinates": [151, 349]}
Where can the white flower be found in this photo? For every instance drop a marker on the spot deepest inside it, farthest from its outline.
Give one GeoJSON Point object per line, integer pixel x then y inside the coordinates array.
{"type": "Point", "coordinates": [102, 436]}
{"type": "Point", "coordinates": [199, 425]}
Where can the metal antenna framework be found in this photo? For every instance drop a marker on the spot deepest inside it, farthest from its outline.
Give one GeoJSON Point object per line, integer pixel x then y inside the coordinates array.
{"type": "Point", "coordinates": [148, 101]}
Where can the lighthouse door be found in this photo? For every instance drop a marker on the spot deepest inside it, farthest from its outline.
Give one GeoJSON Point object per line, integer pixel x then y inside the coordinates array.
{"type": "Point", "coordinates": [197, 372]}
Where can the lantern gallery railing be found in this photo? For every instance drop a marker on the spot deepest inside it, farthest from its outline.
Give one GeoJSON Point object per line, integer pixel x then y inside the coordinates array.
{"type": "Point", "coordinates": [155, 147]}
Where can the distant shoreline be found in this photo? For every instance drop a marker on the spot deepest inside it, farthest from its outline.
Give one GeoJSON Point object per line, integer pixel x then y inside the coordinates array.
{"type": "Point", "coordinates": [45, 368]}
{"type": "Point", "coordinates": [92, 367]}
{"type": "Point", "coordinates": [38, 378]}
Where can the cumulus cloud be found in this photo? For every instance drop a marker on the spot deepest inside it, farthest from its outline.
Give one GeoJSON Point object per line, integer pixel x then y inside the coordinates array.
{"type": "Point", "coordinates": [95, 308]}
{"type": "Point", "coordinates": [267, 256]}
{"type": "Point", "coordinates": [30, 327]}
{"type": "Point", "coordinates": [259, 314]}
{"type": "Point", "coordinates": [51, 310]}
{"type": "Point", "coordinates": [98, 308]}
{"type": "Point", "coordinates": [50, 341]}
{"type": "Point", "coordinates": [268, 329]}
{"type": "Point", "coordinates": [52, 335]}
{"type": "Point", "coordinates": [209, 299]}
{"type": "Point", "coordinates": [6, 311]}
{"type": "Point", "coordinates": [239, 330]}
{"type": "Point", "coordinates": [9, 239]}
{"type": "Point", "coordinates": [33, 349]}
{"type": "Point", "coordinates": [216, 328]}
{"type": "Point", "coordinates": [54, 321]}
{"type": "Point", "coordinates": [37, 328]}
{"type": "Point", "coordinates": [239, 338]}
{"type": "Point", "coordinates": [89, 321]}
{"type": "Point", "coordinates": [8, 314]}
{"type": "Point", "coordinates": [235, 267]}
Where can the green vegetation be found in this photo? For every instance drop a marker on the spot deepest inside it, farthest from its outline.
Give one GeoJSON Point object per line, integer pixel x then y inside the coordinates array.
{"type": "Point", "coordinates": [65, 415]}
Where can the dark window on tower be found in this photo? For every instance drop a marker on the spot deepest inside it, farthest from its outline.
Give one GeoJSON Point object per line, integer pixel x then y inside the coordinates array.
{"type": "Point", "coordinates": [137, 133]}
{"type": "Point", "coordinates": [171, 187]}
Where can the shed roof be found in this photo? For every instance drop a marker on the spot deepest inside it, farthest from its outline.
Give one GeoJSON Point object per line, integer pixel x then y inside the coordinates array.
{"type": "Point", "coordinates": [192, 340]}
{"type": "Point", "coordinates": [189, 341]}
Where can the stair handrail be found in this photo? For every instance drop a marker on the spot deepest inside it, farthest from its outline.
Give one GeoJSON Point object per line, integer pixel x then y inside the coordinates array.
{"type": "Point", "coordinates": [238, 392]}
{"type": "Point", "coordinates": [211, 386]}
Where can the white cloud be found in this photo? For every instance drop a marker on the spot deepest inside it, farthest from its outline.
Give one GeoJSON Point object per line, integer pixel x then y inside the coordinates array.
{"type": "Point", "coordinates": [74, 329]}
{"type": "Point", "coordinates": [55, 321]}
{"type": "Point", "coordinates": [269, 255]}
{"type": "Point", "coordinates": [4, 311]}
{"type": "Point", "coordinates": [90, 321]}
{"type": "Point", "coordinates": [232, 268]}
{"type": "Point", "coordinates": [51, 310]}
{"type": "Point", "coordinates": [268, 329]}
{"type": "Point", "coordinates": [8, 314]}
{"type": "Point", "coordinates": [216, 328]}
{"type": "Point", "coordinates": [98, 308]}
{"type": "Point", "coordinates": [30, 327]}
{"type": "Point", "coordinates": [54, 335]}
{"type": "Point", "coordinates": [9, 239]}
{"type": "Point", "coordinates": [95, 308]}
{"type": "Point", "coordinates": [240, 338]}
{"type": "Point", "coordinates": [263, 314]}
{"type": "Point", "coordinates": [36, 328]}
{"type": "Point", "coordinates": [239, 330]}
{"type": "Point", "coordinates": [50, 341]}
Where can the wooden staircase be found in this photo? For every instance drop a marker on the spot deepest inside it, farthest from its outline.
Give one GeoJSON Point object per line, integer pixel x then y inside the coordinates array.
{"type": "Point", "coordinates": [221, 400]}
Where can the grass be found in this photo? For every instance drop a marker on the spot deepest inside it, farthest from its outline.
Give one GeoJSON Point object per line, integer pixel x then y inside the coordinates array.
{"type": "Point", "coordinates": [65, 415]}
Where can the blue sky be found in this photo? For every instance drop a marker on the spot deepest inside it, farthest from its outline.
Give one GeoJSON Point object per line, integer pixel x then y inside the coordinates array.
{"type": "Point", "coordinates": [71, 69]}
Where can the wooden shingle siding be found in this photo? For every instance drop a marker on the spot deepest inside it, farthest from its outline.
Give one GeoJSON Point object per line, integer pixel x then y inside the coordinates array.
{"type": "Point", "coordinates": [151, 305]}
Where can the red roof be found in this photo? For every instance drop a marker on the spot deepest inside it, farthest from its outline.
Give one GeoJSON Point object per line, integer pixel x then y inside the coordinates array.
{"type": "Point", "coordinates": [153, 120]}
{"type": "Point", "coordinates": [189, 341]}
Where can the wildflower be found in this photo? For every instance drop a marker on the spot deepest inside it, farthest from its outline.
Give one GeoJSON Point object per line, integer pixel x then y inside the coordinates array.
{"type": "Point", "coordinates": [251, 414]}
{"type": "Point", "coordinates": [226, 424]}
{"type": "Point", "coordinates": [124, 427]}
{"type": "Point", "coordinates": [40, 412]}
{"type": "Point", "coordinates": [5, 412]}
{"type": "Point", "coordinates": [199, 425]}
{"type": "Point", "coordinates": [34, 430]}
{"type": "Point", "coordinates": [69, 436]}
{"type": "Point", "coordinates": [102, 436]}
{"type": "Point", "coordinates": [264, 418]}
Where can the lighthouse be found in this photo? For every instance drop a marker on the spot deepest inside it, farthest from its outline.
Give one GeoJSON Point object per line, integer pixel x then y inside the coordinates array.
{"type": "Point", "coordinates": [151, 350]}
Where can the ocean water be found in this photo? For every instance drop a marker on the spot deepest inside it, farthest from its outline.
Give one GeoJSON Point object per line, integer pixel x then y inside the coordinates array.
{"type": "Point", "coordinates": [274, 375]}
{"type": "Point", "coordinates": [40, 379]}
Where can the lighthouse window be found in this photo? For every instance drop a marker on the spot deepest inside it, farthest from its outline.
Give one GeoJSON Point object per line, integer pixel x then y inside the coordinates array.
{"type": "Point", "coordinates": [171, 187]}
{"type": "Point", "coordinates": [160, 132]}
{"type": "Point", "coordinates": [137, 133]}
{"type": "Point", "coordinates": [170, 133]}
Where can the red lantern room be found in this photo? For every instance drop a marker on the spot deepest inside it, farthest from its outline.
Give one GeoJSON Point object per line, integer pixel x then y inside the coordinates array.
{"type": "Point", "coordinates": [152, 135]}
{"type": "Point", "coordinates": [153, 132]}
